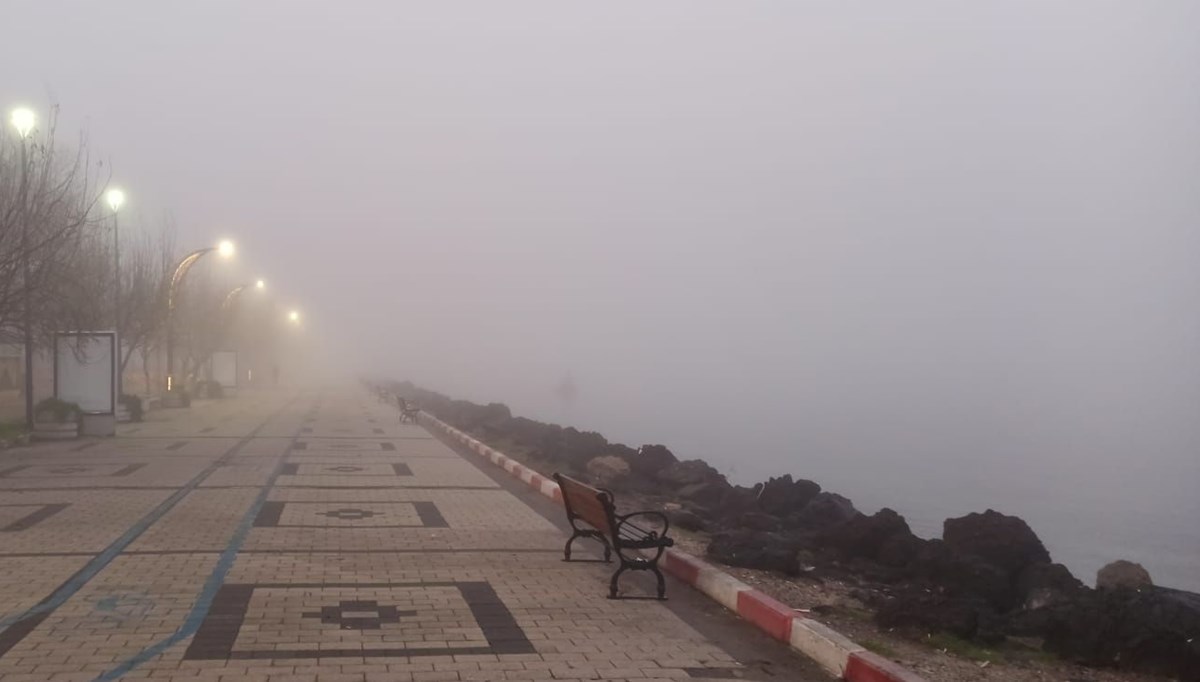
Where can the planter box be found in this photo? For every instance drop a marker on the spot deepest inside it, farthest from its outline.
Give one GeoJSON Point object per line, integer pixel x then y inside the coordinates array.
{"type": "Point", "coordinates": [98, 425]}
{"type": "Point", "coordinates": [50, 431]}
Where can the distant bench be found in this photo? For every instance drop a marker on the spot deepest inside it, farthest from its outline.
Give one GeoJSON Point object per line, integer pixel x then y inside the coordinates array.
{"type": "Point", "coordinates": [594, 506]}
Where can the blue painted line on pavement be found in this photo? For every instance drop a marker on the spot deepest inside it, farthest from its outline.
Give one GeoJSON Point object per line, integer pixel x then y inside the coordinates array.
{"type": "Point", "coordinates": [191, 622]}
{"type": "Point", "coordinates": [104, 558]}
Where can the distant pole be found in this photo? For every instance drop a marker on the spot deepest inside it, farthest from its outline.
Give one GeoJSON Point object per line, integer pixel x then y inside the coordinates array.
{"type": "Point", "coordinates": [115, 198]}
{"type": "Point", "coordinates": [26, 298]}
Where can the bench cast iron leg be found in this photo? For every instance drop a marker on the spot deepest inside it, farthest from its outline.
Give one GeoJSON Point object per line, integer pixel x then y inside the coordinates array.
{"type": "Point", "coordinates": [587, 534]}
{"type": "Point", "coordinates": [612, 585]}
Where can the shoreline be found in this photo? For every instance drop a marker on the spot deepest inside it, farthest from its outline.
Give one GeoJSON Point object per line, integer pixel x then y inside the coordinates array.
{"type": "Point", "coordinates": [990, 567]}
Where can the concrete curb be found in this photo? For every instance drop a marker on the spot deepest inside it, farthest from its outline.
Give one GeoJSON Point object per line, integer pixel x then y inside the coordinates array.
{"type": "Point", "coordinates": [835, 653]}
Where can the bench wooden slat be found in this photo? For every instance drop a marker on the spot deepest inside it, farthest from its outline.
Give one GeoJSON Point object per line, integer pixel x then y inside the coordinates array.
{"type": "Point", "coordinates": [595, 508]}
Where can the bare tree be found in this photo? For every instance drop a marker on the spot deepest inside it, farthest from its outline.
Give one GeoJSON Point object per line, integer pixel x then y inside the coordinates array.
{"type": "Point", "coordinates": [47, 230]}
{"type": "Point", "coordinates": [147, 261]}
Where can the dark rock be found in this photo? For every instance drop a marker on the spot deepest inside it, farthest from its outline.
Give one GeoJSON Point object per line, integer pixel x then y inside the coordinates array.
{"type": "Point", "coordinates": [871, 537]}
{"type": "Point", "coordinates": [782, 496]}
{"type": "Point", "coordinates": [689, 472]}
{"type": "Point", "coordinates": [1041, 585]}
{"type": "Point", "coordinates": [964, 616]}
{"type": "Point", "coordinates": [822, 511]}
{"type": "Point", "coordinates": [705, 494]}
{"type": "Point", "coordinates": [607, 471]}
{"type": "Point", "coordinates": [651, 459]}
{"type": "Point", "coordinates": [758, 521]}
{"type": "Point", "coordinates": [1123, 575]}
{"type": "Point", "coordinates": [687, 520]}
{"type": "Point", "coordinates": [754, 549]}
{"type": "Point", "coordinates": [1003, 541]}
{"type": "Point", "coordinates": [963, 574]}
{"type": "Point", "coordinates": [1154, 630]}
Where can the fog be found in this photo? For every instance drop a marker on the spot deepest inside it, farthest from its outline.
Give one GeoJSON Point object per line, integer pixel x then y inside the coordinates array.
{"type": "Point", "coordinates": [935, 256]}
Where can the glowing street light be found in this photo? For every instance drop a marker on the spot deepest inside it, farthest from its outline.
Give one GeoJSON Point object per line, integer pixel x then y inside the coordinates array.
{"type": "Point", "coordinates": [226, 250]}
{"type": "Point", "coordinates": [23, 120]}
{"type": "Point", "coordinates": [294, 316]}
{"type": "Point", "coordinates": [260, 285]}
{"type": "Point", "coordinates": [115, 198]}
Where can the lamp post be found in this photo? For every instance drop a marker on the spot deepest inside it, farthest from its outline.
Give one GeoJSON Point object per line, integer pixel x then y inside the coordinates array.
{"type": "Point", "coordinates": [24, 120]}
{"type": "Point", "coordinates": [116, 198]}
{"type": "Point", "coordinates": [225, 249]}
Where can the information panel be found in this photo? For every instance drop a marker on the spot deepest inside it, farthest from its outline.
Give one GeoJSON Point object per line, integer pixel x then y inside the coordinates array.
{"type": "Point", "coordinates": [225, 368]}
{"type": "Point", "coordinates": [85, 370]}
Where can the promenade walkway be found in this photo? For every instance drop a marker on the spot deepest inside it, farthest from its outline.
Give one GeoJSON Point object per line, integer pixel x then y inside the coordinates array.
{"type": "Point", "coordinates": [306, 535]}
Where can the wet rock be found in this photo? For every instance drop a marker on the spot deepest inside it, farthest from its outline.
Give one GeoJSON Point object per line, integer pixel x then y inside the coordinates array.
{"type": "Point", "coordinates": [1123, 574]}
{"type": "Point", "coordinates": [704, 494]}
{"type": "Point", "coordinates": [758, 521]}
{"type": "Point", "coordinates": [607, 471]}
{"type": "Point", "coordinates": [883, 534]}
{"type": "Point", "coordinates": [1001, 540]}
{"type": "Point", "coordinates": [754, 549]}
{"type": "Point", "coordinates": [1042, 585]}
{"type": "Point", "coordinates": [782, 496]}
{"type": "Point", "coordinates": [964, 574]}
{"type": "Point", "coordinates": [652, 459]}
{"type": "Point", "coordinates": [689, 472]}
{"type": "Point", "coordinates": [964, 616]}
{"type": "Point", "coordinates": [1154, 630]}
{"type": "Point", "coordinates": [824, 510]}
{"type": "Point", "coordinates": [687, 520]}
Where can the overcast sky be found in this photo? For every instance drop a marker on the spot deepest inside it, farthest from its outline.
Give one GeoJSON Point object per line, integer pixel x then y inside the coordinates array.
{"type": "Point", "coordinates": [783, 236]}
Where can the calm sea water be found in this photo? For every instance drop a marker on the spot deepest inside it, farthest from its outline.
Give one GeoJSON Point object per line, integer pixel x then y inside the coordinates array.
{"type": "Point", "coordinates": [1088, 510]}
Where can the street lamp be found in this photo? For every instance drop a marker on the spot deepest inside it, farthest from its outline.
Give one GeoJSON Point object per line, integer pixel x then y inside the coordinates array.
{"type": "Point", "coordinates": [294, 316]}
{"type": "Point", "coordinates": [115, 198]}
{"type": "Point", "coordinates": [260, 285]}
{"type": "Point", "coordinates": [24, 121]}
{"type": "Point", "coordinates": [225, 249]}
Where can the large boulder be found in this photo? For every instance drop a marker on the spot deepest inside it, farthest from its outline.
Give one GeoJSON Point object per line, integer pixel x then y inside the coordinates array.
{"type": "Point", "coordinates": [1003, 541]}
{"type": "Point", "coordinates": [824, 510]}
{"type": "Point", "coordinates": [1042, 585]}
{"type": "Point", "coordinates": [1154, 630]}
{"type": "Point", "coordinates": [686, 519]}
{"type": "Point", "coordinates": [883, 534]}
{"type": "Point", "coordinates": [925, 612]}
{"type": "Point", "coordinates": [1123, 574]}
{"type": "Point", "coordinates": [689, 472]}
{"type": "Point", "coordinates": [754, 549]}
{"type": "Point", "coordinates": [607, 471]}
{"type": "Point", "coordinates": [652, 459]}
{"type": "Point", "coordinates": [782, 496]}
{"type": "Point", "coordinates": [964, 574]}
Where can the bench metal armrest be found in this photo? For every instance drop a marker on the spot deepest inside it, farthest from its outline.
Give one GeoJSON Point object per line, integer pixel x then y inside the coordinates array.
{"type": "Point", "coordinates": [666, 523]}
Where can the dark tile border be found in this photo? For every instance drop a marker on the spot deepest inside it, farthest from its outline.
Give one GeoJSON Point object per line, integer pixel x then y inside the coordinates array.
{"type": "Point", "coordinates": [293, 469]}
{"type": "Point", "coordinates": [272, 511]}
{"type": "Point", "coordinates": [218, 631]}
{"type": "Point", "coordinates": [33, 518]}
{"type": "Point", "coordinates": [123, 471]}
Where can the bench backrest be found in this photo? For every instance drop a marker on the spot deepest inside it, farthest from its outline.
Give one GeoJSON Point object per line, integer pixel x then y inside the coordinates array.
{"type": "Point", "coordinates": [591, 505]}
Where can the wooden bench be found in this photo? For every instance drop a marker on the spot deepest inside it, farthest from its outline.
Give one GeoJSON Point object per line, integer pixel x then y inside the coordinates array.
{"type": "Point", "coordinates": [594, 506]}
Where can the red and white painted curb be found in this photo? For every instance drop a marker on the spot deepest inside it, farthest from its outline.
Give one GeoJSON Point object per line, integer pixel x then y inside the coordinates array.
{"type": "Point", "coordinates": [834, 652]}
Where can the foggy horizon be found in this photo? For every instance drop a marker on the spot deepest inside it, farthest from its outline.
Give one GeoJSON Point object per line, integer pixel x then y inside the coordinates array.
{"type": "Point", "coordinates": [783, 238]}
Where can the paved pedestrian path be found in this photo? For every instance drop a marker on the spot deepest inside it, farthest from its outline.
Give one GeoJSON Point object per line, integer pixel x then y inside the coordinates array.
{"type": "Point", "coordinates": [307, 536]}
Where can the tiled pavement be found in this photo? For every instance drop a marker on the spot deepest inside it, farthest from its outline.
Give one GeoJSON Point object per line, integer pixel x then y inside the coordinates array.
{"type": "Point", "coordinates": [309, 536]}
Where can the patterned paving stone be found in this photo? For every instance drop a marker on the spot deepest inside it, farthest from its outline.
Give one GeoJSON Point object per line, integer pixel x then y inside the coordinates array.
{"type": "Point", "coordinates": [303, 536]}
